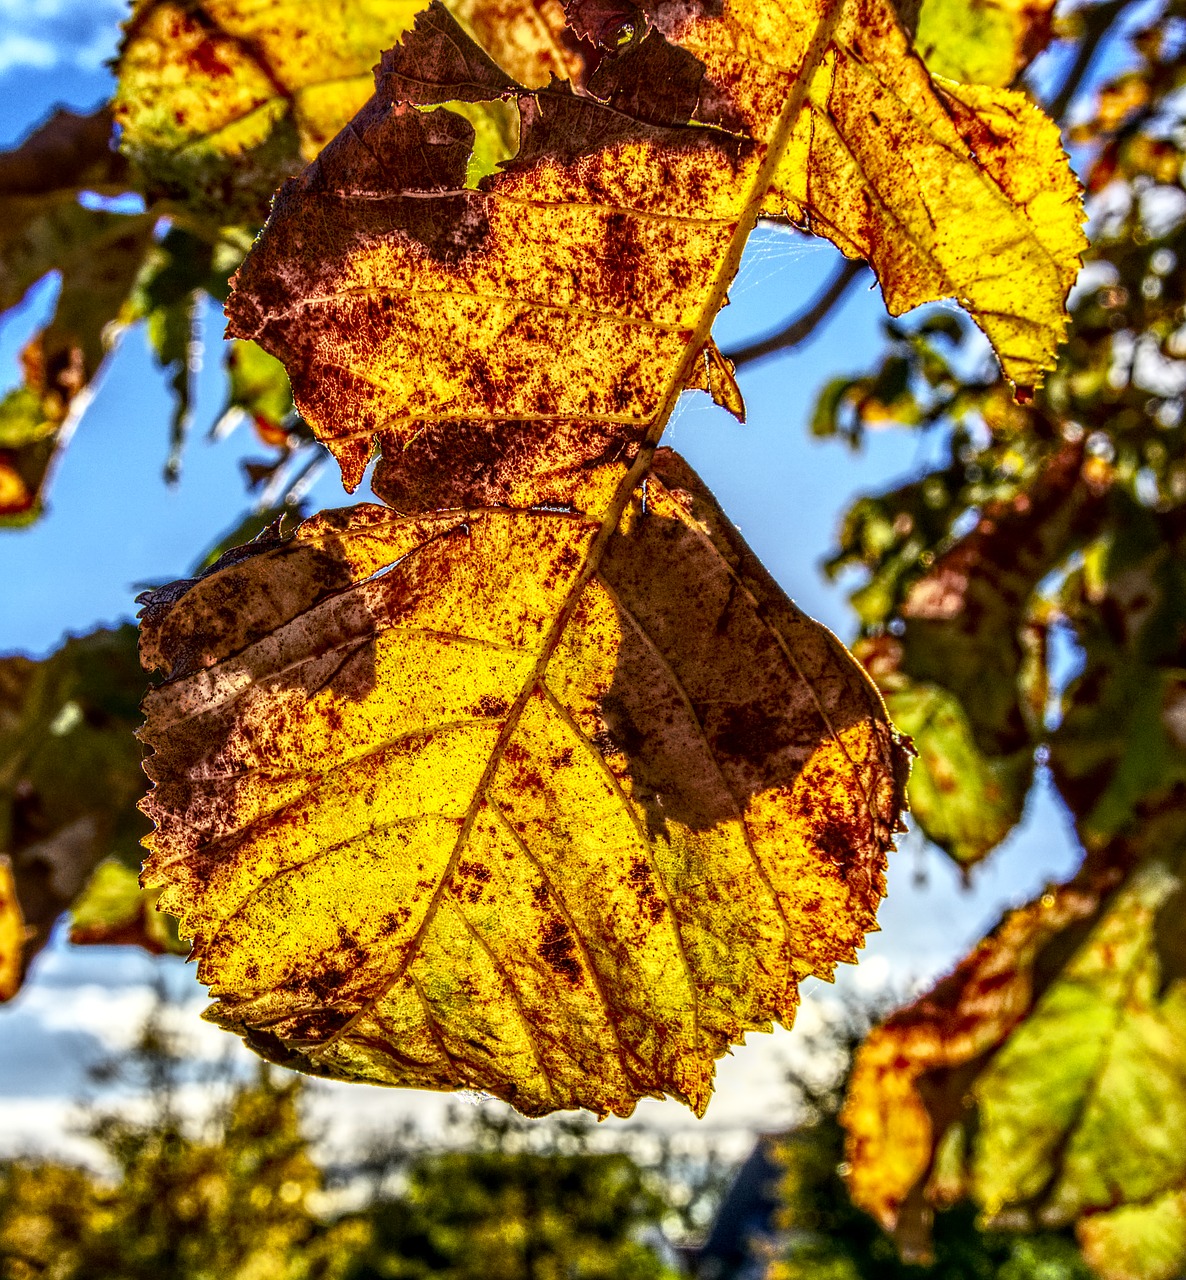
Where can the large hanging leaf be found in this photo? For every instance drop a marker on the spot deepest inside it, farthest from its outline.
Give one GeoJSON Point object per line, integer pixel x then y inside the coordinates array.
{"type": "Point", "coordinates": [445, 802]}
{"type": "Point", "coordinates": [69, 775]}
{"type": "Point", "coordinates": [949, 190]}
{"type": "Point", "coordinates": [396, 296]}
{"type": "Point", "coordinates": [1044, 1078]}
{"type": "Point", "coordinates": [219, 103]}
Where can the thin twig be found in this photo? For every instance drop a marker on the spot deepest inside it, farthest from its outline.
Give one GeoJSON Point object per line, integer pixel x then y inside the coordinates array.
{"type": "Point", "coordinates": [802, 326]}
{"type": "Point", "coordinates": [1098, 21]}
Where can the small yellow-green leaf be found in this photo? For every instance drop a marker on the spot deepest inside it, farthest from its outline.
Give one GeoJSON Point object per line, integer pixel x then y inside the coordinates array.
{"type": "Point", "coordinates": [257, 386]}
{"type": "Point", "coordinates": [114, 911]}
{"type": "Point", "coordinates": [965, 801]}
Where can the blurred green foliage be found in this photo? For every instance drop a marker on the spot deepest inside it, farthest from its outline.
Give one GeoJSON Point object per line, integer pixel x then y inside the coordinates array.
{"type": "Point", "coordinates": [238, 1194]}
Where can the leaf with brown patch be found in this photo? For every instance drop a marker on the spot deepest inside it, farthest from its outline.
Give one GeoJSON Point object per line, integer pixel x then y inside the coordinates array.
{"type": "Point", "coordinates": [449, 800]}
{"type": "Point", "coordinates": [219, 102]}
{"type": "Point", "coordinates": [1043, 1078]}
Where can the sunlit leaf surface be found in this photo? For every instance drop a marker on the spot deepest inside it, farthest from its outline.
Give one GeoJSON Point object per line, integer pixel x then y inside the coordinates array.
{"type": "Point", "coordinates": [911, 1074]}
{"type": "Point", "coordinates": [949, 190]}
{"type": "Point", "coordinates": [965, 801]}
{"type": "Point", "coordinates": [1045, 1079]}
{"type": "Point", "coordinates": [220, 103]}
{"type": "Point", "coordinates": [438, 812]}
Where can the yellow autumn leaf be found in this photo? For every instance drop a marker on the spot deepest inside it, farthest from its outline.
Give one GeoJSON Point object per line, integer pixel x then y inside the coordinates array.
{"type": "Point", "coordinates": [223, 102]}
{"type": "Point", "coordinates": [444, 803]}
{"type": "Point", "coordinates": [949, 190]}
{"type": "Point", "coordinates": [12, 934]}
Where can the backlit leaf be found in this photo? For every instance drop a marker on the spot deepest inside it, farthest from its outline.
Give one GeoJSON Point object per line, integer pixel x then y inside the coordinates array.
{"type": "Point", "coordinates": [965, 801]}
{"type": "Point", "coordinates": [504, 798]}
{"type": "Point", "coordinates": [577, 284]}
{"type": "Point", "coordinates": [911, 1074]}
{"type": "Point", "coordinates": [114, 911]}
{"type": "Point", "coordinates": [219, 104]}
{"type": "Point", "coordinates": [70, 772]}
{"type": "Point", "coordinates": [982, 41]}
{"type": "Point", "coordinates": [12, 933]}
{"type": "Point", "coordinates": [1044, 1079]}
{"type": "Point", "coordinates": [257, 386]}
{"type": "Point", "coordinates": [948, 190]}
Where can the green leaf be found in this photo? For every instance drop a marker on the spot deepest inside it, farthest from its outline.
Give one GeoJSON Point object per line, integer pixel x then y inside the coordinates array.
{"type": "Point", "coordinates": [964, 801]}
{"type": "Point", "coordinates": [70, 773]}
{"type": "Point", "coordinates": [114, 911]}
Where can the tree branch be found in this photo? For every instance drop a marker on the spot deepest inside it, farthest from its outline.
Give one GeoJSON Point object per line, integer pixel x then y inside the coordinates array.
{"type": "Point", "coordinates": [1098, 22]}
{"type": "Point", "coordinates": [802, 326]}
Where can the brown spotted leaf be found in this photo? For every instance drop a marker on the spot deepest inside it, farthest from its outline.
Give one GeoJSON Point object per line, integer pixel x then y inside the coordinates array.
{"type": "Point", "coordinates": [513, 798]}
{"type": "Point", "coordinates": [576, 285]}
{"type": "Point", "coordinates": [1044, 1079]}
{"type": "Point", "coordinates": [948, 190]}
{"type": "Point", "coordinates": [219, 102]}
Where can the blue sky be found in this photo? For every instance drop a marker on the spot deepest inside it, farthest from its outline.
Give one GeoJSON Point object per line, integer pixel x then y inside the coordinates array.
{"type": "Point", "coordinates": [112, 525]}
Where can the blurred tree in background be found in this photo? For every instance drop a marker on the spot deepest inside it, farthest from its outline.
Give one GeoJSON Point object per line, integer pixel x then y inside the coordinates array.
{"type": "Point", "coordinates": [214, 1177]}
{"type": "Point", "coordinates": [229, 1197]}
